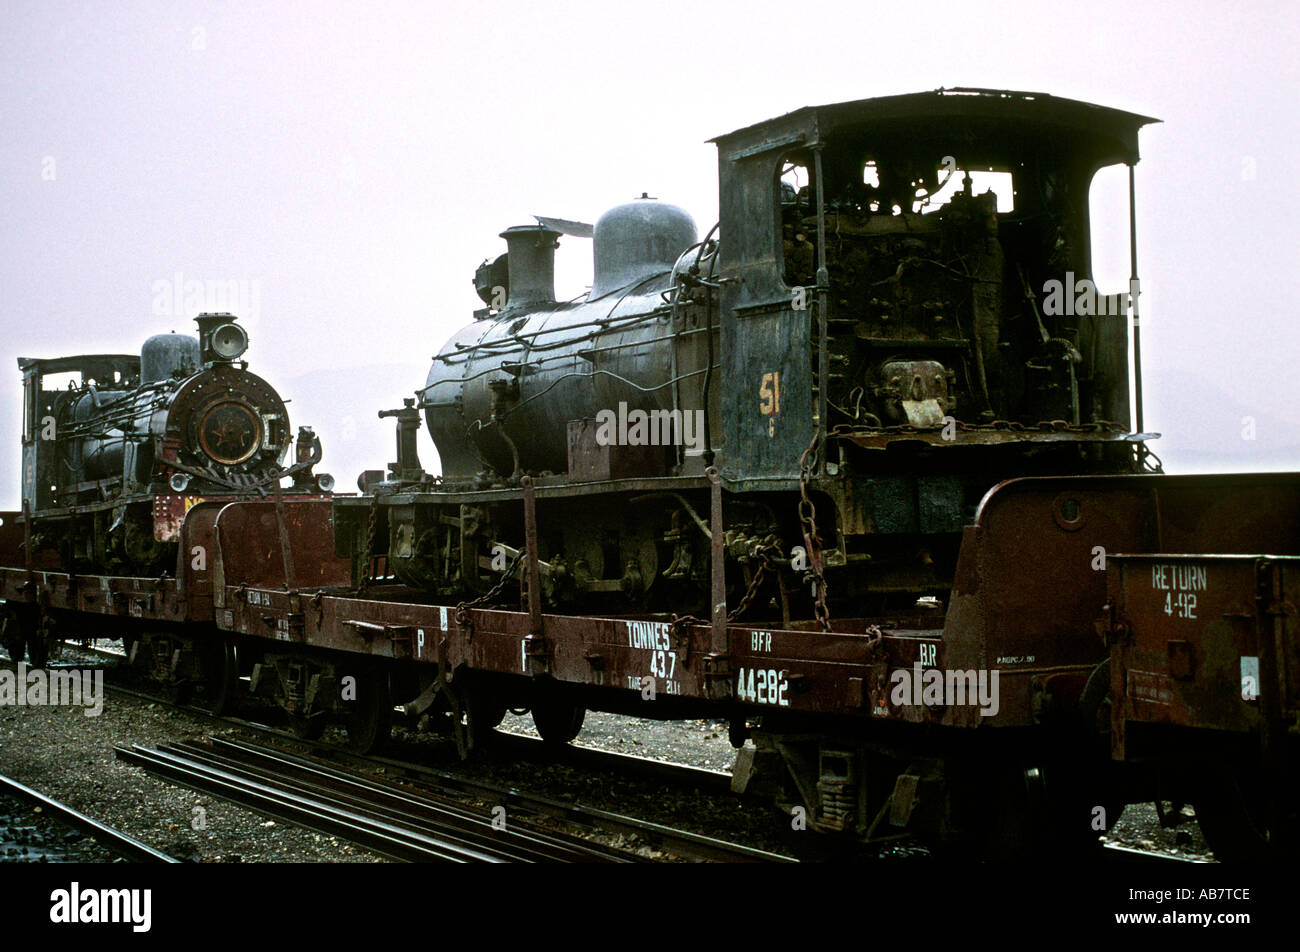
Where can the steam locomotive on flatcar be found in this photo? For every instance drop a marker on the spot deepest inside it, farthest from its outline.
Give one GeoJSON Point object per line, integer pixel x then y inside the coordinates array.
{"type": "Point", "coordinates": [870, 333]}
{"type": "Point", "coordinates": [902, 439]}
{"type": "Point", "coordinates": [116, 448]}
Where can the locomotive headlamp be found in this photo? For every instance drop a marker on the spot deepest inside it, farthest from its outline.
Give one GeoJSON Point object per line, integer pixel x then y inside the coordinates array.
{"type": "Point", "coordinates": [179, 482]}
{"type": "Point", "coordinates": [229, 341]}
{"type": "Point", "coordinates": [221, 340]}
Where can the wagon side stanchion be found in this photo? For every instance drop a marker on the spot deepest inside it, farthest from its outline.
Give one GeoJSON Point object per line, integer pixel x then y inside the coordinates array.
{"type": "Point", "coordinates": [536, 641]}
{"type": "Point", "coordinates": [717, 665]}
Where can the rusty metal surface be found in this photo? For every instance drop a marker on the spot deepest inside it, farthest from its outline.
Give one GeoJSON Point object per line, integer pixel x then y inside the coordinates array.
{"type": "Point", "coordinates": [1111, 131]}
{"type": "Point", "coordinates": [532, 572]}
{"type": "Point", "coordinates": [593, 461]}
{"type": "Point", "coordinates": [123, 597]}
{"type": "Point", "coordinates": [717, 568]}
{"type": "Point", "coordinates": [770, 670]}
{"type": "Point", "coordinates": [249, 545]}
{"type": "Point", "coordinates": [1036, 628]}
{"type": "Point", "coordinates": [969, 434]}
{"type": "Point", "coordinates": [194, 558]}
{"type": "Point", "coordinates": [1203, 641]}
{"type": "Point", "coordinates": [12, 533]}
{"type": "Point", "coordinates": [1030, 582]}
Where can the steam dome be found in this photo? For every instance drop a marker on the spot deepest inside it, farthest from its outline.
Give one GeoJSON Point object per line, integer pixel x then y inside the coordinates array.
{"type": "Point", "coordinates": [638, 240]}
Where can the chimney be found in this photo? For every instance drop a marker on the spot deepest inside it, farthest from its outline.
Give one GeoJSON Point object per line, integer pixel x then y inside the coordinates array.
{"type": "Point", "coordinates": [532, 264]}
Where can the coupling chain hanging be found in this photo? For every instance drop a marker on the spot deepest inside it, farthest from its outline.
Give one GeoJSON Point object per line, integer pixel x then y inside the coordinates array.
{"type": "Point", "coordinates": [463, 617]}
{"type": "Point", "coordinates": [813, 541]}
{"type": "Point", "coordinates": [766, 555]}
{"type": "Point", "coordinates": [368, 549]}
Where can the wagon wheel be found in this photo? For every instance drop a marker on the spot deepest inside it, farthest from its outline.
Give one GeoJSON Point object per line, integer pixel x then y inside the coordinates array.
{"type": "Point", "coordinates": [557, 721]}
{"type": "Point", "coordinates": [369, 718]}
{"type": "Point", "coordinates": [220, 677]}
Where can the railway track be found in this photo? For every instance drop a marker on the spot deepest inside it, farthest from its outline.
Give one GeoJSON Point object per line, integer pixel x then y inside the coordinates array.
{"type": "Point", "coordinates": [445, 782]}
{"type": "Point", "coordinates": [128, 847]}
{"type": "Point", "coordinates": [388, 820]}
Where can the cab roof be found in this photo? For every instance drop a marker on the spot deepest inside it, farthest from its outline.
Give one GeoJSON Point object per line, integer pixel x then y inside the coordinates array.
{"type": "Point", "coordinates": [981, 113]}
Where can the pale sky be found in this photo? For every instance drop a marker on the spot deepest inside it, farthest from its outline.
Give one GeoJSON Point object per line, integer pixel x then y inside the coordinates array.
{"type": "Point", "coordinates": [348, 165]}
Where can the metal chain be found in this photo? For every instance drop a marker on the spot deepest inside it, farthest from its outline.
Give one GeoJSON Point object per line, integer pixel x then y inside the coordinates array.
{"type": "Point", "coordinates": [765, 555]}
{"type": "Point", "coordinates": [813, 541]}
{"type": "Point", "coordinates": [463, 617]}
{"type": "Point", "coordinates": [368, 550]}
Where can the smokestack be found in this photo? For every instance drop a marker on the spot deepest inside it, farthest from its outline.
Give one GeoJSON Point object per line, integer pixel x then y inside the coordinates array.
{"type": "Point", "coordinates": [532, 264]}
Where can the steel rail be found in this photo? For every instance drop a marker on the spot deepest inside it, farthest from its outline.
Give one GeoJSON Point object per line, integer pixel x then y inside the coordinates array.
{"type": "Point", "coordinates": [691, 844]}
{"type": "Point", "coordinates": [385, 840]}
{"type": "Point", "coordinates": [686, 843]}
{"type": "Point", "coordinates": [695, 845]}
{"type": "Point", "coordinates": [344, 807]}
{"type": "Point", "coordinates": [114, 840]}
{"type": "Point", "coordinates": [410, 809]}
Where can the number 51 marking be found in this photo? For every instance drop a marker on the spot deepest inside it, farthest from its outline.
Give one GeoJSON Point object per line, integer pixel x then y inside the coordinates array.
{"type": "Point", "coordinates": [769, 405]}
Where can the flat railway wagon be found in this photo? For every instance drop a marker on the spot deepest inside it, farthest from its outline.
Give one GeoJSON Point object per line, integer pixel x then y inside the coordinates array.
{"type": "Point", "coordinates": [914, 551]}
{"type": "Point", "coordinates": [1188, 725]}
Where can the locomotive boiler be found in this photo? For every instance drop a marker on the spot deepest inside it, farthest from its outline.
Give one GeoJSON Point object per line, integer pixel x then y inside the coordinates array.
{"type": "Point", "coordinates": [117, 448]}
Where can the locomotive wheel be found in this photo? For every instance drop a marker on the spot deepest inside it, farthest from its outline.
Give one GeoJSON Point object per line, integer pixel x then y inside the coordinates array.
{"type": "Point", "coordinates": [558, 722]}
{"type": "Point", "coordinates": [369, 718]}
{"type": "Point", "coordinates": [220, 677]}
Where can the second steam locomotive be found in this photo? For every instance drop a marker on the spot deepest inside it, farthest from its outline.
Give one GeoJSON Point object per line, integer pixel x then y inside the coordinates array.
{"type": "Point", "coordinates": [117, 447]}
